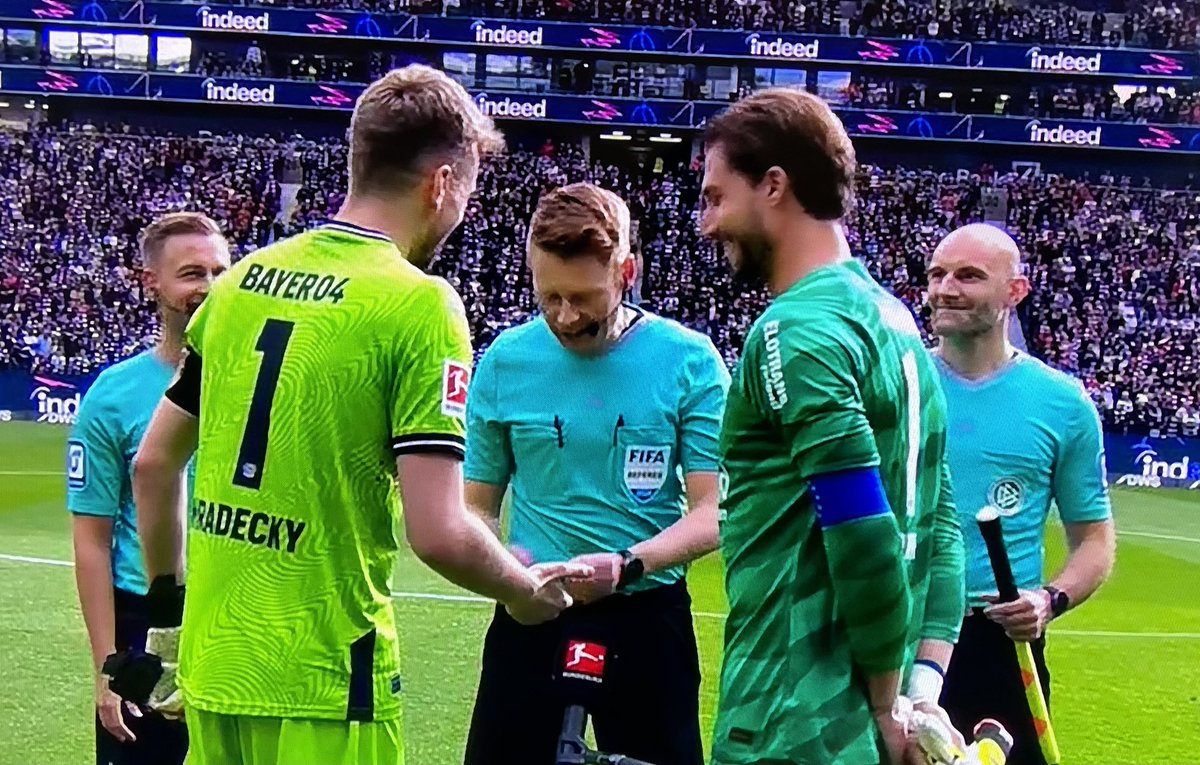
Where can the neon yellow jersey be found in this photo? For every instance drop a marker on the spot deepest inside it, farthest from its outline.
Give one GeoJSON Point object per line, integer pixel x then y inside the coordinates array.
{"type": "Point", "coordinates": [324, 357]}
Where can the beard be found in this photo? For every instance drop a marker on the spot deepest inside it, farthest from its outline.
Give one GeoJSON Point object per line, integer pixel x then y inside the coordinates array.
{"type": "Point", "coordinates": [965, 321]}
{"type": "Point", "coordinates": [750, 259]}
{"type": "Point", "coordinates": [182, 308]}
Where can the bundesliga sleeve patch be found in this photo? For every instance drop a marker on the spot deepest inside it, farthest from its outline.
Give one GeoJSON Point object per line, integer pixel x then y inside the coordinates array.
{"type": "Point", "coordinates": [76, 465]}
{"type": "Point", "coordinates": [456, 378]}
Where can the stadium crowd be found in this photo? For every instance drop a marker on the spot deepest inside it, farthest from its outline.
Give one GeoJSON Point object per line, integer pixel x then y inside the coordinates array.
{"type": "Point", "coordinates": [1070, 100]}
{"type": "Point", "coordinates": [1158, 24]}
{"type": "Point", "coordinates": [1115, 268]}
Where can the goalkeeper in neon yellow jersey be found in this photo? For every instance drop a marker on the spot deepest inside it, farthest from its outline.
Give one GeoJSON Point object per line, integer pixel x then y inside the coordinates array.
{"type": "Point", "coordinates": [843, 552]}
{"type": "Point", "coordinates": [321, 372]}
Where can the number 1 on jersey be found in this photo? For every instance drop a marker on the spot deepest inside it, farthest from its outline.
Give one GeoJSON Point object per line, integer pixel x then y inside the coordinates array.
{"type": "Point", "coordinates": [272, 343]}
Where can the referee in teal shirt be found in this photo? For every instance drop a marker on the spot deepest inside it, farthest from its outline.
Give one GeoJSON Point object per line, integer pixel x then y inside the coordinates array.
{"type": "Point", "coordinates": [1021, 436]}
{"type": "Point", "coordinates": [182, 252]}
{"type": "Point", "coordinates": [603, 419]}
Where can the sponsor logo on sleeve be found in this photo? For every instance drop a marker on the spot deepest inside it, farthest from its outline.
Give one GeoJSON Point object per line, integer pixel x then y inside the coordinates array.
{"type": "Point", "coordinates": [456, 379]}
{"type": "Point", "coordinates": [772, 369]}
{"type": "Point", "coordinates": [76, 465]}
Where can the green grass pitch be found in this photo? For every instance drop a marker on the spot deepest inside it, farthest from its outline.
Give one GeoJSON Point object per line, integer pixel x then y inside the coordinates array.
{"type": "Point", "coordinates": [1126, 666]}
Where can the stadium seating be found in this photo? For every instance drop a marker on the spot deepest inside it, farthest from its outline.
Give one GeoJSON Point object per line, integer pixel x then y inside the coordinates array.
{"type": "Point", "coordinates": [1116, 269]}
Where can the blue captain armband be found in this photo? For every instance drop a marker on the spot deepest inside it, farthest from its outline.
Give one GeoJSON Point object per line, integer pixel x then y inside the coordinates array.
{"type": "Point", "coordinates": [848, 495]}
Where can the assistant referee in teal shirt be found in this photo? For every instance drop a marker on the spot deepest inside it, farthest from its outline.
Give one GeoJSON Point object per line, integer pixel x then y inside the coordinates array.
{"type": "Point", "coordinates": [604, 420]}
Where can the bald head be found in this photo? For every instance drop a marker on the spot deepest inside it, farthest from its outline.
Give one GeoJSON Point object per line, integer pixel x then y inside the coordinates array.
{"type": "Point", "coordinates": [975, 280]}
{"type": "Point", "coordinates": [984, 244]}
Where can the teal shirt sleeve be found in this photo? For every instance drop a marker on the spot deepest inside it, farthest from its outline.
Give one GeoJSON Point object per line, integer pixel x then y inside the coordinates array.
{"type": "Point", "coordinates": [95, 462]}
{"type": "Point", "coordinates": [701, 410]}
{"type": "Point", "coordinates": [945, 602]}
{"type": "Point", "coordinates": [1079, 485]}
{"type": "Point", "coordinates": [489, 451]}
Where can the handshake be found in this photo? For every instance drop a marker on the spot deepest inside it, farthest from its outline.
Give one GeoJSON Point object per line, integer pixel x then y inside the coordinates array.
{"type": "Point", "coordinates": [555, 587]}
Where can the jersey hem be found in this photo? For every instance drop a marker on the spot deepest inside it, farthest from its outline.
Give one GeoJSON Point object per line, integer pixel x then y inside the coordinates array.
{"type": "Point", "coordinates": [384, 714]}
{"type": "Point", "coordinates": [91, 513]}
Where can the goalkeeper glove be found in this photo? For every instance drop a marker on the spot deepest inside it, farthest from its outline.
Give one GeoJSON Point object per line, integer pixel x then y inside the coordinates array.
{"type": "Point", "coordinates": [149, 678]}
{"type": "Point", "coordinates": [937, 741]}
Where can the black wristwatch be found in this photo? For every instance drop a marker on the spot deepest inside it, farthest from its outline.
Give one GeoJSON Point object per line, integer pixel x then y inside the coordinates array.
{"type": "Point", "coordinates": [1059, 601]}
{"type": "Point", "coordinates": [632, 569]}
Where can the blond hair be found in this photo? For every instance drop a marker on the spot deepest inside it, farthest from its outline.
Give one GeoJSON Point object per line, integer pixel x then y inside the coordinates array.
{"type": "Point", "coordinates": [154, 236]}
{"type": "Point", "coordinates": [408, 117]}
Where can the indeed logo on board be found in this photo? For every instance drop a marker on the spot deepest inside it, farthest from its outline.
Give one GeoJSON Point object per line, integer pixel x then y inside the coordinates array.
{"type": "Point", "coordinates": [1061, 61]}
{"type": "Point", "coordinates": [509, 107]}
{"type": "Point", "coordinates": [237, 93]}
{"type": "Point", "coordinates": [1062, 135]}
{"type": "Point", "coordinates": [780, 48]}
{"type": "Point", "coordinates": [238, 22]}
{"type": "Point", "coordinates": [502, 35]}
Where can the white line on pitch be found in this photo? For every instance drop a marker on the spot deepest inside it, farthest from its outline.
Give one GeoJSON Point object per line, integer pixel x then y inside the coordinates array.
{"type": "Point", "coordinates": [699, 614]}
{"type": "Point", "coordinates": [32, 472]}
{"type": "Point", "coordinates": [1148, 535]}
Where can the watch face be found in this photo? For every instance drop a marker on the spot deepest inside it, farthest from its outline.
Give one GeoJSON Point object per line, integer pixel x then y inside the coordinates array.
{"type": "Point", "coordinates": [1058, 602]}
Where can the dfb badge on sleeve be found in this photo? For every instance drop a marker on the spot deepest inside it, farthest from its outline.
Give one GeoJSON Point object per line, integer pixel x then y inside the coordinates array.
{"type": "Point", "coordinates": [646, 470]}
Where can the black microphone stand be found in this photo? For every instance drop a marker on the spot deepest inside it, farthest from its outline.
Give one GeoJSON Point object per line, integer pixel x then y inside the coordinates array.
{"type": "Point", "coordinates": [573, 750]}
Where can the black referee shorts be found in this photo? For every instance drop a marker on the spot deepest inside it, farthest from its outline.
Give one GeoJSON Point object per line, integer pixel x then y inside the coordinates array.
{"type": "Point", "coordinates": [159, 741]}
{"type": "Point", "coordinates": [984, 680]}
{"type": "Point", "coordinates": [647, 708]}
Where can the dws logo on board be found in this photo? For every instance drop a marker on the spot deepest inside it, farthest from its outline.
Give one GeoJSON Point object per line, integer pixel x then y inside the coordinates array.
{"type": "Point", "coordinates": [57, 402]}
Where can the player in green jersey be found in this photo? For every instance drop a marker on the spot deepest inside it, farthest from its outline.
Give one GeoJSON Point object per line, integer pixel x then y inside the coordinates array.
{"type": "Point", "coordinates": [843, 552]}
{"type": "Point", "coordinates": [322, 371]}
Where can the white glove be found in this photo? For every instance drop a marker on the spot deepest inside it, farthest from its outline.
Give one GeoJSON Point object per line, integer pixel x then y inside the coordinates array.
{"type": "Point", "coordinates": [943, 745]}
{"type": "Point", "coordinates": [166, 698]}
{"type": "Point", "coordinates": [939, 741]}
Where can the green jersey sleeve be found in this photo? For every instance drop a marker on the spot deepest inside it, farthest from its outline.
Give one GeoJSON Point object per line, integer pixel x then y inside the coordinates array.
{"type": "Point", "coordinates": [428, 399]}
{"type": "Point", "coordinates": [808, 377]}
{"type": "Point", "coordinates": [946, 598]}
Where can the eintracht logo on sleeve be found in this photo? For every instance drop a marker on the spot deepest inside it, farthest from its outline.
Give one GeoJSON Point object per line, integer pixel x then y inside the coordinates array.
{"type": "Point", "coordinates": [646, 470]}
{"type": "Point", "coordinates": [1007, 495]}
{"type": "Point", "coordinates": [456, 378]}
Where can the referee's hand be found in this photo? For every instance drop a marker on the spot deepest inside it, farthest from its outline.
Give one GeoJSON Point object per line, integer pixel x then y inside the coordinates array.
{"type": "Point", "coordinates": [548, 595]}
{"type": "Point", "coordinates": [604, 580]}
{"type": "Point", "coordinates": [111, 709]}
{"type": "Point", "coordinates": [1025, 618]}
